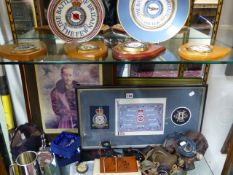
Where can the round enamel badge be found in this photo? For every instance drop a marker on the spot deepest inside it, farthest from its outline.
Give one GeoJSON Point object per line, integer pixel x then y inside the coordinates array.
{"type": "Point", "coordinates": [153, 21]}
{"type": "Point", "coordinates": [181, 116]}
{"type": "Point", "coordinates": [79, 20]}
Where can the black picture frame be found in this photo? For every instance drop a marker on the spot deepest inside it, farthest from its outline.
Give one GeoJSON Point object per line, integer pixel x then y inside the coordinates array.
{"type": "Point", "coordinates": [190, 98]}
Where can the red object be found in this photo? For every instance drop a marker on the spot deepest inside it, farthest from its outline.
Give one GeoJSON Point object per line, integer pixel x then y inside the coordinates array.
{"type": "Point", "coordinates": [76, 16]}
{"type": "Point", "coordinates": [152, 51]}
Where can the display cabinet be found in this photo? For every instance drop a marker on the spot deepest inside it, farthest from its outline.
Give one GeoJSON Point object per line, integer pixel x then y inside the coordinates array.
{"type": "Point", "coordinates": [167, 69]}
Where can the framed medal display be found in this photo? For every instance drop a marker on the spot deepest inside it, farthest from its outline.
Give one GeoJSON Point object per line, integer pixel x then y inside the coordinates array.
{"type": "Point", "coordinates": [153, 21]}
{"type": "Point", "coordinates": [137, 116]}
{"type": "Point", "coordinates": [77, 20]}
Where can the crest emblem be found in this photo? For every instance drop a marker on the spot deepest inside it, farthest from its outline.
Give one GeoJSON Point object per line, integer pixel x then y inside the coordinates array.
{"type": "Point", "coordinates": [75, 19]}
{"type": "Point", "coordinates": [181, 116]}
{"type": "Point", "coordinates": [99, 120]}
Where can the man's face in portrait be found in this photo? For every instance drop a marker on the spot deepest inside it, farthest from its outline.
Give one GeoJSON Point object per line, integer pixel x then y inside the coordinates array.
{"type": "Point", "coordinates": [67, 76]}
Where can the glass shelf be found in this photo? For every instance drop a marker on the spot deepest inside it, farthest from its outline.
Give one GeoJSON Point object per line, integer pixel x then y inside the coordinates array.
{"type": "Point", "coordinates": [170, 56]}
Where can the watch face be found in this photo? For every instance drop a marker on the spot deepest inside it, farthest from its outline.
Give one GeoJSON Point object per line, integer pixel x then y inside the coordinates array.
{"type": "Point", "coordinates": [200, 48]}
{"type": "Point", "coordinates": [87, 47]}
{"type": "Point", "coordinates": [24, 47]}
{"type": "Point", "coordinates": [82, 167]}
{"type": "Point", "coordinates": [75, 19]}
{"type": "Point", "coordinates": [134, 46]}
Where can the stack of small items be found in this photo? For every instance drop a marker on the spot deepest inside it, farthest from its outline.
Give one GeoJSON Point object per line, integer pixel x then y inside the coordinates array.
{"type": "Point", "coordinates": [176, 156]}
{"type": "Point", "coordinates": [66, 148]}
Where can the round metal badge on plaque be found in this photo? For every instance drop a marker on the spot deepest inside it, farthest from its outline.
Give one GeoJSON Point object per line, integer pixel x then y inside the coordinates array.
{"type": "Point", "coordinates": [79, 20]}
{"type": "Point", "coordinates": [135, 50]}
{"type": "Point", "coordinates": [153, 21]}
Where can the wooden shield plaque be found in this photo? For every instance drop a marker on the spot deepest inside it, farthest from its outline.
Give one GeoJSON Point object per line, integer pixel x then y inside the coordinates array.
{"type": "Point", "coordinates": [136, 51]}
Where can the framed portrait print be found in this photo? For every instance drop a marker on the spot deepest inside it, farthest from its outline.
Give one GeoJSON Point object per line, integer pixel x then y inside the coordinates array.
{"type": "Point", "coordinates": [129, 116]}
{"type": "Point", "coordinates": [56, 90]}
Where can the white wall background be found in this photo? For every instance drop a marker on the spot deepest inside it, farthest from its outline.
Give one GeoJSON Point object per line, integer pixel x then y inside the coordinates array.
{"type": "Point", "coordinates": [218, 116]}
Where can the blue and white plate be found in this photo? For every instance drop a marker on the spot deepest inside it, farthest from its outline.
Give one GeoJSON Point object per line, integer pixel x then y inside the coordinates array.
{"type": "Point", "coordinates": [153, 21]}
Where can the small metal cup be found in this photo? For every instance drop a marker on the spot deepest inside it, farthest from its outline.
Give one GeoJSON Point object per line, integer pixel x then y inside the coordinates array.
{"type": "Point", "coordinates": [26, 164]}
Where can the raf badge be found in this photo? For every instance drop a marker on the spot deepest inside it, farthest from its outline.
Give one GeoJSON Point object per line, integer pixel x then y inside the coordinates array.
{"type": "Point", "coordinates": [200, 52]}
{"type": "Point", "coordinates": [181, 116]}
{"type": "Point", "coordinates": [153, 21]}
{"type": "Point", "coordinates": [99, 117]}
{"type": "Point", "coordinates": [135, 50]}
{"type": "Point", "coordinates": [79, 20]}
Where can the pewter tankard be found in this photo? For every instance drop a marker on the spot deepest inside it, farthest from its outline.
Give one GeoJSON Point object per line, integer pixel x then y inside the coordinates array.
{"type": "Point", "coordinates": [26, 164]}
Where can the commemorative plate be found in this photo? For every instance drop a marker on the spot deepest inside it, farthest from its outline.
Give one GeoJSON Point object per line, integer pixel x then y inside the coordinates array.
{"type": "Point", "coordinates": [153, 21]}
{"type": "Point", "coordinates": [79, 20]}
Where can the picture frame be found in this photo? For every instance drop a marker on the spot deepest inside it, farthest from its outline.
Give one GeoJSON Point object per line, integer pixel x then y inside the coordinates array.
{"type": "Point", "coordinates": [56, 91]}
{"type": "Point", "coordinates": [182, 110]}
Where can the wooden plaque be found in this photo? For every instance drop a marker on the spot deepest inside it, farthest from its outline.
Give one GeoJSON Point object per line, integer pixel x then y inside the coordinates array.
{"type": "Point", "coordinates": [23, 51]}
{"type": "Point", "coordinates": [194, 52]}
{"type": "Point", "coordinates": [92, 50]}
{"type": "Point", "coordinates": [136, 51]}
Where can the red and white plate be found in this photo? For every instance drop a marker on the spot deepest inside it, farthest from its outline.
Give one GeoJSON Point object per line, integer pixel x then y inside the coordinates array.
{"type": "Point", "coordinates": [78, 20]}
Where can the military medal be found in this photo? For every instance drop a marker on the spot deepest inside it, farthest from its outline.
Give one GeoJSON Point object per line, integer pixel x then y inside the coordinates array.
{"type": "Point", "coordinates": [23, 51]}
{"type": "Point", "coordinates": [135, 50]}
{"type": "Point", "coordinates": [200, 52]}
{"type": "Point", "coordinates": [92, 50]}
{"type": "Point", "coordinates": [79, 20]}
{"type": "Point", "coordinates": [153, 21]}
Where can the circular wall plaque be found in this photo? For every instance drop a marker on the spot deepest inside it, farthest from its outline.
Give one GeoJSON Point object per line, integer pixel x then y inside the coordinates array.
{"type": "Point", "coordinates": [79, 20]}
{"type": "Point", "coordinates": [153, 21]}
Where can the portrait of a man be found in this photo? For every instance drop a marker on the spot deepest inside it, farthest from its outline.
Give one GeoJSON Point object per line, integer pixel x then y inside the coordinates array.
{"type": "Point", "coordinates": [56, 89]}
{"type": "Point", "coordinates": [63, 99]}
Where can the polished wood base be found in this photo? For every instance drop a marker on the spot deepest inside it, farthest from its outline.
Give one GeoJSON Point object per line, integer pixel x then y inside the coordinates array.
{"type": "Point", "coordinates": [215, 52]}
{"type": "Point", "coordinates": [92, 50]}
{"type": "Point", "coordinates": [23, 51]}
{"type": "Point", "coordinates": [120, 53]}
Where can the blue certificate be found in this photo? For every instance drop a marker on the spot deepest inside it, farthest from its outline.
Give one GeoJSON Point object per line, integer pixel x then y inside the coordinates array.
{"type": "Point", "coordinates": [140, 116]}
